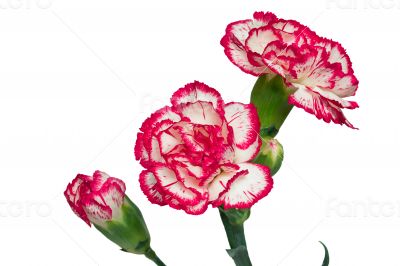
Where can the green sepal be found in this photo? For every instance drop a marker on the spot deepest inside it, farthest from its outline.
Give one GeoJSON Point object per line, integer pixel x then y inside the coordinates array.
{"type": "Point", "coordinates": [271, 154]}
{"type": "Point", "coordinates": [129, 230]}
{"type": "Point", "coordinates": [236, 216]}
{"type": "Point", "coordinates": [270, 97]}
{"type": "Point", "coordinates": [326, 258]}
{"type": "Point", "coordinates": [233, 221]}
{"type": "Point", "coordinates": [268, 132]}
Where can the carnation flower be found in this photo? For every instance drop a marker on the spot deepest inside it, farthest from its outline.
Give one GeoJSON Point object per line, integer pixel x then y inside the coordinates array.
{"type": "Point", "coordinates": [197, 152]}
{"type": "Point", "coordinates": [317, 71]}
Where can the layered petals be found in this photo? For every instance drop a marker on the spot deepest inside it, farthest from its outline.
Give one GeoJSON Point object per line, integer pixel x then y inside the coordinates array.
{"type": "Point", "coordinates": [246, 155]}
{"type": "Point", "coordinates": [97, 198]}
{"type": "Point", "coordinates": [244, 121]}
{"type": "Point", "coordinates": [151, 188]}
{"type": "Point", "coordinates": [73, 194]}
{"type": "Point", "coordinates": [321, 107]}
{"type": "Point", "coordinates": [172, 186]}
{"type": "Point", "coordinates": [235, 48]}
{"type": "Point", "coordinates": [197, 92]}
{"type": "Point", "coordinates": [271, 46]}
{"type": "Point", "coordinates": [193, 149]}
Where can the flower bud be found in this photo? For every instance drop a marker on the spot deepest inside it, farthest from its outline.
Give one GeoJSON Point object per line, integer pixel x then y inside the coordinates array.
{"type": "Point", "coordinates": [100, 200]}
{"type": "Point", "coordinates": [271, 154]}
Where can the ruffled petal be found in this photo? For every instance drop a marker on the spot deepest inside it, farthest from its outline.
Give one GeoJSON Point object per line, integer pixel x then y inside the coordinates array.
{"type": "Point", "coordinates": [229, 167]}
{"type": "Point", "coordinates": [187, 136]}
{"type": "Point", "coordinates": [197, 209]}
{"type": "Point", "coordinates": [219, 185]}
{"type": "Point", "coordinates": [189, 181]}
{"type": "Point", "coordinates": [209, 177]}
{"type": "Point", "coordinates": [332, 97]}
{"type": "Point", "coordinates": [201, 113]}
{"type": "Point", "coordinates": [246, 189]}
{"type": "Point", "coordinates": [147, 148]}
{"type": "Point", "coordinates": [113, 196]}
{"type": "Point", "coordinates": [315, 104]}
{"type": "Point", "coordinates": [151, 188]}
{"type": "Point", "coordinates": [73, 195]}
{"type": "Point", "coordinates": [279, 56]}
{"type": "Point", "coordinates": [99, 178]}
{"type": "Point", "coordinates": [234, 46]}
{"type": "Point", "coordinates": [309, 59]}
{"type": "Point", "coordinates": [197, 92]}
{"type": "Point", "coordinates": [263, 18]}
{"type": "Point", "coordinates": [97, 213]}
{"type": "Point", "coordinates": [243, 119]}
{"type": "Point", "coordinates": [153, 149]}
{"type": "Point", "coordinates": [289, 31]}
{"type": "Point", "coordinates": [173, 203]}
{"type": "Point", "coordinates": [173, 187]}
{"type": "Point", "coordinates": [323, 77]}
{"type": "Point", "coordinates": [337, 54]}
{"type": "Point", "coordinates": [168, 142]}
{"type": "Point", "coordinates": [346, 86]}
{"type": "Point", "coordinates": [259, 38]}
{"type": "Point", "coordinates": [165, 113]}
{"type": "Point", "coordinates": [140, 152]}
{"type": "Point", "coordinates": [248, 154]}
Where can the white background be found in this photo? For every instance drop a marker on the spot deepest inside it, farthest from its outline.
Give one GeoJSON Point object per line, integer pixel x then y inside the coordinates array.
{"type": "Point", "coordinates": [79, 77]}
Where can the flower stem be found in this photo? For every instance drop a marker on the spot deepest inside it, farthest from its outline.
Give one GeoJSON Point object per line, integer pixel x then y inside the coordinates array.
{"type": "Point", "coordinates": [237, 240]}
{"type": "Point", "coordinates": [151, 255]}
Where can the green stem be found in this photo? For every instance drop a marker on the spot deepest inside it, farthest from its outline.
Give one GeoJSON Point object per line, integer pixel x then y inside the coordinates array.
{"type": "Point", "coordinates": [151, 255]}
{"type": "Point", "coordinates": [237, 241]}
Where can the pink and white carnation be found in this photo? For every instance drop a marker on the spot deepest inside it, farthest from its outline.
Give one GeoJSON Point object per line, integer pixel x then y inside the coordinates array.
{"type": "Point", "coordinates": [96, 199]}
{"type": "Point", "coordinates": [316, 70]}
{"type": "Point", "coordinates": [197, 152]}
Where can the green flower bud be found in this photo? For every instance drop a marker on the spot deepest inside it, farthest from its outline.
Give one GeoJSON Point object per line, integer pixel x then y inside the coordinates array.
{"type": "Point", "coordinates": [271, 154]}
{"type": "Point", "coordinates": [100, 200]}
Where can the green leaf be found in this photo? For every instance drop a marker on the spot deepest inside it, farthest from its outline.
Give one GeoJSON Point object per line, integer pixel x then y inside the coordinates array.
{"type": "Point", "coordinates": [326, 259]}
{"type": "Point", "coordinates": [233, 220]}
{"type": "Point", "coordinates": [240, 256]}
{"type": "Point", "coordinates": [270, 96]}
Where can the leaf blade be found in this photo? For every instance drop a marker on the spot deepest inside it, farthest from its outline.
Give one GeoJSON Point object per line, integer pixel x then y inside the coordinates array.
{"type": "Point", "coordinates": [326, 258]}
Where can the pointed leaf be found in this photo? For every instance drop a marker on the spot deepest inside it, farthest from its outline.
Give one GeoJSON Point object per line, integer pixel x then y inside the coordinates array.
{"type": "Point", "coordinates": [326, 259]}
{"type": "Point", "coordinates": [240, 256]}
